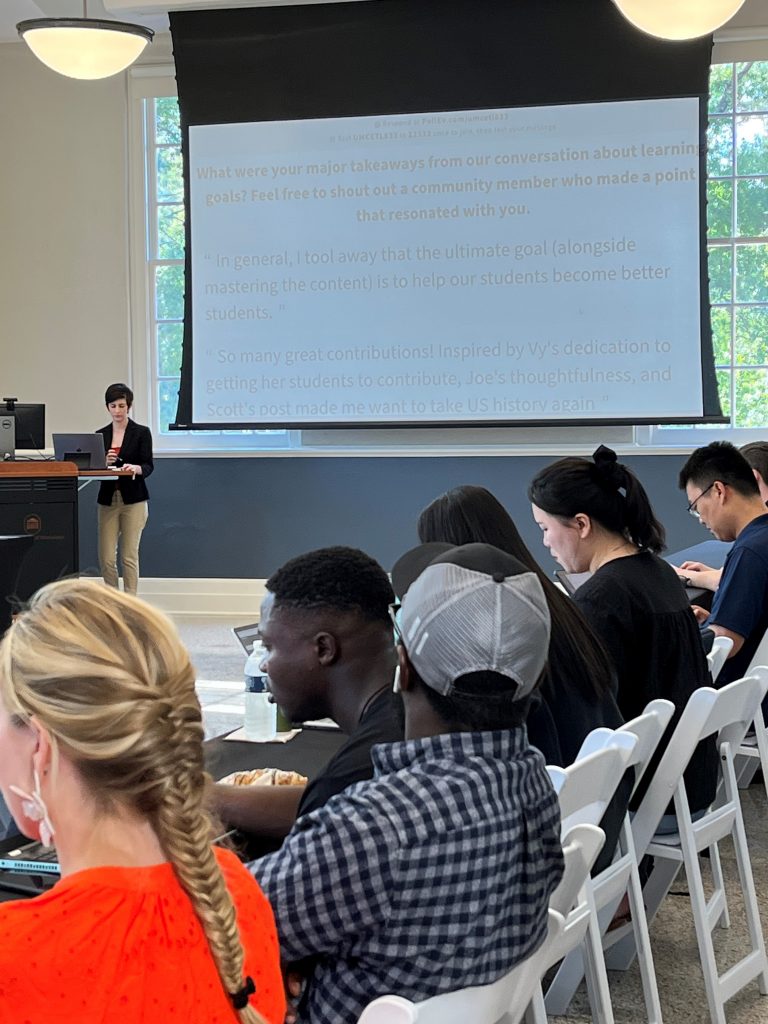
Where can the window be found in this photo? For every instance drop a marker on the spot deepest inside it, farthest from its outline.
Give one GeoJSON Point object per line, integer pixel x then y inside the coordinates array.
{"type": "Point", "coordinates": [737, 218]}
{"type": "Point", "coordinates": [737, 214]}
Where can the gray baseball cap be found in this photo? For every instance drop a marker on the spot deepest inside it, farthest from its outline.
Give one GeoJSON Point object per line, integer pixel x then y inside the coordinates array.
{"type": "Point", "coordinates": [468, 609]}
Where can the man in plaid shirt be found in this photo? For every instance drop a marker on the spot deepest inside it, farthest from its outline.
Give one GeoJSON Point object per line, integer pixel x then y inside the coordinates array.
{"type": "Point", "coordinates": [436, 874]}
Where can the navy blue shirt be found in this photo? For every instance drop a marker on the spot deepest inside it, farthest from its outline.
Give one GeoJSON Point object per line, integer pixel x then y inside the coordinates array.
{"type": "Point", "coordinates": [741, 601]}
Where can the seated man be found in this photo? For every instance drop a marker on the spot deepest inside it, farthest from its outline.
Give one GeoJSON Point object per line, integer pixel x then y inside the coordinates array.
{"type": "Point", "coordinates": [756, 454]}
{"type": "Point", "coordinates": [723, 493]}
{"type": "Point", "coordinates": [330, 653]}
{"type": "Point", "coordinates": [436, 874]}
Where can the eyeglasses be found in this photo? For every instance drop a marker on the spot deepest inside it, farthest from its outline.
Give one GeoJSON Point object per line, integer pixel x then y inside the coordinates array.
{"type": "Point", "coordinates": [692, 510]}
{"type": "Point", "coordinates": [394, 609]}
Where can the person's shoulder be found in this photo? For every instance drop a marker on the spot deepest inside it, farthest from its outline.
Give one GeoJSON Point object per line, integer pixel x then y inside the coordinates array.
{"type": "Point", "coordinates": [243, 888]}
{"type": "Point", "coordinates": [753, 538]}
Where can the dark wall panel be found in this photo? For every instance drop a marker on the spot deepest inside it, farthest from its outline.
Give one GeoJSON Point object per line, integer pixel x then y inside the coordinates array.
{"type": "Point", "coordinates": [243, 517]}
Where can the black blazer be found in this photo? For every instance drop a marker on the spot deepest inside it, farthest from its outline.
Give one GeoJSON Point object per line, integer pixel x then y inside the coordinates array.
{"type": "Point", "coordinates": [137, 450]}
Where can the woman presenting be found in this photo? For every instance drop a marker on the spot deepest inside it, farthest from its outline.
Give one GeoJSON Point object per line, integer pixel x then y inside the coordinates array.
{"type": "Point", "coordinates": [124, 502]}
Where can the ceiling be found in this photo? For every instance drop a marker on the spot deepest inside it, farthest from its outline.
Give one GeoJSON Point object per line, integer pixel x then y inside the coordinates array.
{"type": "Point", "coordinates": [753, 13]}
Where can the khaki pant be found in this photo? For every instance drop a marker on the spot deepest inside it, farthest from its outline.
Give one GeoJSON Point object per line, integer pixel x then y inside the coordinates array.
{"type": "Point", "coordinates": [123, 523]}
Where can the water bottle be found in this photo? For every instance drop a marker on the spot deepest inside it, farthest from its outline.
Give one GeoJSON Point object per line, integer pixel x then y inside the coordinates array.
{"type": "Point", "coordinates": [260, 722]}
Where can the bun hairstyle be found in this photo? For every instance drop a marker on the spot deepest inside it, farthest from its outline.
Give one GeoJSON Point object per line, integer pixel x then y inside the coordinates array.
{"type": "Point", "coordinates": [604, 489]}
{"type": "Point", "coordinates": [110, 680]}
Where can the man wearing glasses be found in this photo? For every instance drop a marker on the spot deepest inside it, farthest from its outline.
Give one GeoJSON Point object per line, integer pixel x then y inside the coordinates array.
{"type": "Point", "coordinates": [724, 495]}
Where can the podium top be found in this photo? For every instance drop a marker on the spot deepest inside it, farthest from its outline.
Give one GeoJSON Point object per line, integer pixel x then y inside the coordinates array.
{"type": "Point", "coordinates": [37, 468]}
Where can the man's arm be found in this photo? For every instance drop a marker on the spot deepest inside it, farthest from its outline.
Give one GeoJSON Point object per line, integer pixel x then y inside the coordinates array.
{"type": "Point", "coordinates": [701, 617]}
{"type": "Point", "coordinates": [699, 575]}
{"type": "Point", "coordinates": [268, 811]}
{"type": "Point", "coordinates": [331, 880]}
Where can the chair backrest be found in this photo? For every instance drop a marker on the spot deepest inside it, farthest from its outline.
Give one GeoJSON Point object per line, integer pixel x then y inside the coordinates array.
{"type": "Point", "coordinates": [718, 656]}
{"type": "Point", "coordinates": [508, 997]}
{"type": "Point", "coordinates": [728, 712]}
{"type": "Point", "coordinates": [761, 654]}
{"type": "Point", "coordinates": [585, 788]}
{"type": "Point", "coordinates": [648, 728]}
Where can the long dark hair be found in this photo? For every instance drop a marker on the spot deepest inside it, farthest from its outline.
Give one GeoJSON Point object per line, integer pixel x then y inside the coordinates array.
{"type": "Point", "coordinates": [469, 515]}
{"type": "Point", "coordinates": [604, 489]}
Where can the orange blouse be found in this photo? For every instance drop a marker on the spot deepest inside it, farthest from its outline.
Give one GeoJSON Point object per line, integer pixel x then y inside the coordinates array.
{"type": "Point", "coordinates": [124, 946]}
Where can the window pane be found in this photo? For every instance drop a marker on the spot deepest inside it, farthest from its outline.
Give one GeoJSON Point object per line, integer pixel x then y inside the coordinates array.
{"type": "Point", "coordinates": [752, 85]}
{"type": "Point", "coordinates": [170, 183]}
{"type": "Point", "coordinates": [720, 273]}
{"type": "Point", "coordinates": [168, 398]}
{"type": "Point", "coordinates": [720, 208]}
{"type": "Point", "coordinates": [170, 232]}
{"type": "Point", "coordinates": [752, 144]}
{"type": "Point", "coordinates": [720, 88]}
{"type": "Point", "coordinates": [169, 340]}
{"type": "Point", "coordinates": [721, 335]}
{"type": "Point", "coordinates": [720, 147]}
{"type": "Point", "coordinates": [752, 273]}
{"type": "Point", "coordinates": [169, 292]}
{"type": "Point", "coordinates": [752, 207]}
{"type": "Point", "coordinates": [750, 389]}
{"type": "Point", "coordinates": [724, 390]}
{"type": "Point", "coordinates": [167, 126]}
{"type": "Point", "coordinates": [752, 335]}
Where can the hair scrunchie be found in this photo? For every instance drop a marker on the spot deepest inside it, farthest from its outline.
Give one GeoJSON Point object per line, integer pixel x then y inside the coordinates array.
{"type": "Point", "coordinates": [609, 468]}
{"type": "Point", "coordinates": [241, 997]}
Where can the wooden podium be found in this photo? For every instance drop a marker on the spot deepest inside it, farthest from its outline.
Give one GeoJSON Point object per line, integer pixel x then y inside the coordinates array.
{"type": "Point", "coordinates": [39, 499]}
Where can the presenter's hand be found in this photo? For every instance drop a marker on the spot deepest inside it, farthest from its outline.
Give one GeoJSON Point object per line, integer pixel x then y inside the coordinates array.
{"type": "Point", "coordinates": [701, 575]}
{"type": "Point", "coordinates": [111, 457]}
{"type": "Point", "coordinates": [701, 613]}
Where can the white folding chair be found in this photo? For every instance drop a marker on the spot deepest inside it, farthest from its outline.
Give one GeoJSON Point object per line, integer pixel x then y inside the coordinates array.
{"type": "Point", "coordinates": [584, 790]}
{"type": "Point", "coordinates": [726, 713]}
{"type": "Point", "coordinates": [504, 1001]}
{"type": "Point", "coordinates": [718, 656]}
{"type": "Point", "coordinates": [753, 753]}
{"type": "Point", "coordinates": [622, 875]}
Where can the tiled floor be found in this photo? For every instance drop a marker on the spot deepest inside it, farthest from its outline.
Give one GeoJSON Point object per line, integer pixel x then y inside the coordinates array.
{"type": "Point", "coordinates": [219, 661]}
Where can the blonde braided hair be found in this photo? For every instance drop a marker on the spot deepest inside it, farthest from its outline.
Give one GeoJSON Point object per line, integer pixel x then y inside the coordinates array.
{"type": "Point", "coordinates": [107, 675]}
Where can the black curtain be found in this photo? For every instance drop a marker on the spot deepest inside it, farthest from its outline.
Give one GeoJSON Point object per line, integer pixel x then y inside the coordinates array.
{"type": "Point", "coordinates": [410, 56]}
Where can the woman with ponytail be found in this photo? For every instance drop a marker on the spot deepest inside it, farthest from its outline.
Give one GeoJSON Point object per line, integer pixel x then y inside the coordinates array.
{"type": "Point", "coordinates": [101, 754]}
{"type": "Point", "coordinates": [596, 517]}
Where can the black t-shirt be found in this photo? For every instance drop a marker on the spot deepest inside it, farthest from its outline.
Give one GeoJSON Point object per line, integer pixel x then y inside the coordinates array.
{"type": "Point", "coordinates": [640, 611]}
{"type": "Point", "coordinates": [352, 761]}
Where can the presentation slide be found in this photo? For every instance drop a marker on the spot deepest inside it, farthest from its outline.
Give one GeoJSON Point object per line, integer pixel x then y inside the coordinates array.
{"type": "Point", "coordinates": [535, 264]}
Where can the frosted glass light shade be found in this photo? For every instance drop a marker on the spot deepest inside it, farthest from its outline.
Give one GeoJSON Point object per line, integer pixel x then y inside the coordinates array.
{"type": "Point", "coordinates": [84, 48]}
{"type": "Point", "coordinates": [678, 19]}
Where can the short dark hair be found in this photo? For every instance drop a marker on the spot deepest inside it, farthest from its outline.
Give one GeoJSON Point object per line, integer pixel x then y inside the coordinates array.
{"type": "Point", "coordinates": [117, 391]}
{"type": "Point", "coordinates": [344, 579]}
{"type": "Point", "coordinates": [604, 489]}
{"type": "Point", "coordinates": [719, 461]}
{"type": "Point", "coordinates": [479, 702]}
{"type": "Point", "coordinates": [756, 454]}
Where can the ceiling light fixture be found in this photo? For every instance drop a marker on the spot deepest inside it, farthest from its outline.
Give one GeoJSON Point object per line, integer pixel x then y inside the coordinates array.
{"type": "Point", "coordinates": [678, 19]}
{"type": "Point", "coordinates": [85, 48]}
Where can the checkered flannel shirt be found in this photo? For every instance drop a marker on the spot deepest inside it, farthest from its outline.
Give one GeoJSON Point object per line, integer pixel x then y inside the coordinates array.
{"type": "Point", "coordinates": [434, 875]}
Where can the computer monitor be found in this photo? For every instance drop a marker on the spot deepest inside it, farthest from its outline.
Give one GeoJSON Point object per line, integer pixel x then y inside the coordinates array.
{"type": "Point", "coordinates": [30, 425]}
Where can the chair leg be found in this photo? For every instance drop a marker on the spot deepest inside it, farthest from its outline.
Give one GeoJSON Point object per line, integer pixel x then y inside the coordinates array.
{"type": "Point", "coordinates": [744, 867]}
{"type": "Point", "coordinates": [536, 1012]}
{"type": "Point", "coordinates": [621, 955]}
{"type": "Point", "coordinates": [643, 947]}
{"type": "Point", "coordinates": [595, 973]}
{"type": "Point", "coordinates": [703, 933]}
{"type": "Point", "coordinates": [724, 920]}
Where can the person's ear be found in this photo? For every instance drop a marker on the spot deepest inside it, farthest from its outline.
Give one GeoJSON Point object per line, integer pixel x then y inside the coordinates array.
{"type": "Point", "coordinates": [583, 524]}
{"type": "Point", "coordinates": [403, 676]}
{"type": "Point", "coordinates": [327, 648]}
{"type": "Point", "coordinates": [42, 754]}
{"type": "Point", "coordinates": [719, 491]}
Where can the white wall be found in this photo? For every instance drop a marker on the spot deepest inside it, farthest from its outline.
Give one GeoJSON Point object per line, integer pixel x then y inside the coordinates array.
{"type": "Point", "coordinates": [64, 311]}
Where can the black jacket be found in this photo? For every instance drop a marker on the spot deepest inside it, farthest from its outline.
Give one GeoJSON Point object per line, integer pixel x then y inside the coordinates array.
{"type": "Point", "coordinates": [137, 450]}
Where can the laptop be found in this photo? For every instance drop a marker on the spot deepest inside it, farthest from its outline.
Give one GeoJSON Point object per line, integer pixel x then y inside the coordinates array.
{"type": "Point", "coordinates": [247, 635]}
{"type": "Point", "coordinates": [85, 450]}
{"type": "Point", "coordinates": [26, 866]}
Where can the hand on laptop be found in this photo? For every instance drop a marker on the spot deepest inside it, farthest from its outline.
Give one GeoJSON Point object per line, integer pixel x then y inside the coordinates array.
{"type": "Point", "coordinates": [700, 575]}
